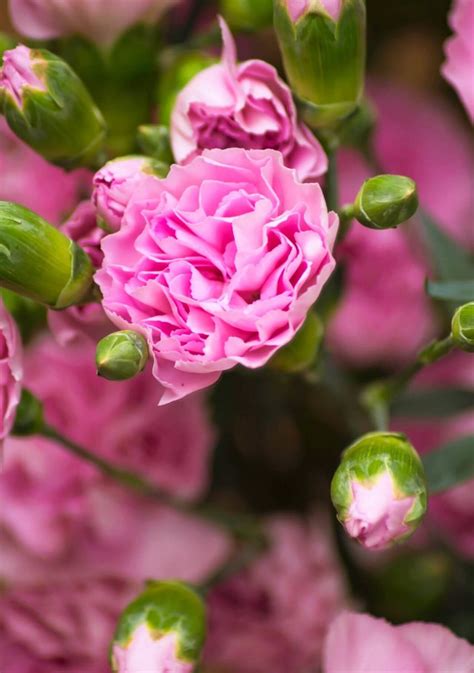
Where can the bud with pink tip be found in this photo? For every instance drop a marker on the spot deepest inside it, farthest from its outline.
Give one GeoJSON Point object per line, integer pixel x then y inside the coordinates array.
{"type": "Point", "coordinates": [162, 631]}
{"type": "Point", "coordinates": [115, 183]}
{"type": "Point", "coordinates": [379, 490]}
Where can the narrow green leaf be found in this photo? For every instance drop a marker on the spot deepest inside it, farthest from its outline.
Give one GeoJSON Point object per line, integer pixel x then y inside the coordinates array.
{"type": "Point", "coordinates": [455, 290]}
{"type": "Point", "coordinates": [433, 403]}
{"type": "Point", "coordinates": [451, 261]}
{"type": "Point", "coordinates": [450, 465]}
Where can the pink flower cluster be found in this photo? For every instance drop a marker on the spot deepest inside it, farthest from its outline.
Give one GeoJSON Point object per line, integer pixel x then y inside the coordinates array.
{"type": "Point", "coordinates": [459, 66]}
{"type": "Point", "coordinates": [217, 264]}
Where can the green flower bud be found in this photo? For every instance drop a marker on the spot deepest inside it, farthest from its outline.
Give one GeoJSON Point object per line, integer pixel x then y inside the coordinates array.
{"type": "Point", "coordinates": [178, 70]}
{"type": "Point", "coordinates": [462, 327]}
{"type": "Point", "coordinates": [47, 106]}
{"type": "Point", "coordinates": [247, 14]}
{"type": "Point", "coordinates": [303, 349]}
{"type": "Point", "coordinates": [386, 201]}
{"type": "Point", "coordinates": [121, 355]}
{"type": "Point", "coordinates": [166, 612]}
{"type": "Point", "coordinates": [379, 489]}
{"type": "Point", "coordinates": [40, 262]}
{"type": "Point", "coordinates": [29, 415]}
{"type": "Point", "coordinates": [324, 55]}
{"type": "Point", "coordinates": [154, 141]}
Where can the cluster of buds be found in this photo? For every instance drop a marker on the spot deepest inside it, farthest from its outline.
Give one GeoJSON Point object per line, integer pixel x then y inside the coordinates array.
{"type": "Point", "coordinates": [379, 490]}
{"type": "Point", "coordinates": [162, 630]}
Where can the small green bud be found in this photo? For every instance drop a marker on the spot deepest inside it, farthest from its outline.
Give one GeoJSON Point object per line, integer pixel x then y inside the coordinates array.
{"type": "Point", "coordinates": [29, 415]}
{"type": "Point", "coordinates": [386, 201]}
{"type": "Point", "coordinates": [462, 327]}
{"type": "Point", "coordinates": [121, 355]}
{"type": "Point", "coordinates": [379, 489]}
{"type": "Point", "coordinates": [40, 262]}
{"type": "Point", "coordinates": [49, 108]}
{"type": "Point", "coordinates": [324, 55]}
{"type": "Point", "coordinates": [247, 14]}
{"type": "Point", "coordinates": [154, 141]}
{"type": "Point", "coordinates": [303, 349]}
{"type": "Point", "coordinates": [178, 69]}
{"type": "Point", "coordinates": [166, 611]}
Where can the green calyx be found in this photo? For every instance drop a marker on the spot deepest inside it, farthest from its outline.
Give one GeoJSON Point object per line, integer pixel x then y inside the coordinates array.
{"type": "Point", "coordinates": [386, 201]}
{"type": "Point", "coordinates": [40, 262]}
{"type": "Point", "coordinates": [168, 606]}
{"type": "Point", "coordinates": [121, 355]}
{"type": "Point", "coordinates": [303, 349]}
{"type": "Point", "coordinates": [462, 327]}
{"type": "Point", "coordinates": [368, 458]}
{"type": "Point", "coordinates": [62, 122]}
{"type": "Point", "coordinates": [324, 60]}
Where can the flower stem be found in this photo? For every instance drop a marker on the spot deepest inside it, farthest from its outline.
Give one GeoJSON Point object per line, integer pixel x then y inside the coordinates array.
{"type": "Point", "coordinates": [332, 182]}
{"type": "Point", "coordinates": [378, 397]}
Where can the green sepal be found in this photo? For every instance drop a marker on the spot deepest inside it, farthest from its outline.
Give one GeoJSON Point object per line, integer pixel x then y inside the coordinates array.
{"type": "Point", "coordinates": [303, 349]}
{"type": "Point", "coordinates": [168, 606]}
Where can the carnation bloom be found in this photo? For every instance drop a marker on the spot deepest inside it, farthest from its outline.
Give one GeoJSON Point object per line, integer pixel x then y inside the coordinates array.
{"type": "Point", "coordinates": [451, 513]}
{"type": "Point", "coordinates": [29, 180]}
{"type": "Point", "coordinates": [243, 105]}
{"type": "Point", "coordinates": [47, 493]}
{"type": "Point", "coordinates": [11, 371]}
{"type": "Point", "coordinates": [114, 185]}
{"type": "Point", "coordinates": [384, 315]}
{"type": "Point", "coordinates": [362, 644]}
{"type": "Point", "coordinates": [217, 264]}
{"type": "Point", "coordinates": [459, 66]}
{"type": "Point", "coordinates": [46, 19]}
{"type": "Point", "coordinates": [89, 320]}
{"type": "Point", "coordinates": [148, 653]}
{"type": "Point", "coordinates": [274, 615]}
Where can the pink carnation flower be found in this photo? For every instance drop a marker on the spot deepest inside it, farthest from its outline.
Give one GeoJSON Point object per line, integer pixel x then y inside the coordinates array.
{"type": "Point", "coordinates": [46, 19]}
{"type": "Point", "coordinates": [88, 321]}
{"type": "Point", "coordinates": [46, 493]}
{"type": "Point", "coordinates": [148, 653]}
{"type": "Point", "coordinates": [11, 371]}
{"type": "Point", "coordinates": [274, 616]}
{"type": "Point", "coordinates": [29, 180]}
{"type": "Point", "coordinates": [363, 644]}
{"type": "Point", "coordinates": [385, 315]}
{"type": "Point", "coordinates": [450, 513]}
{"type": "Point", "coordinates": [217, 264]}
{"type": "Point", "coordinates": [243, 105]}
{"type": "Point", "coordinates": [459, 66]}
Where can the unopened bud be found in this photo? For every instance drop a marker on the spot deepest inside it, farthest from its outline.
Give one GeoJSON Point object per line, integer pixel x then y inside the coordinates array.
{"type": "Point", "coordinates": [29, 415]}
{"type": "Point", "coordinates": [49, 108]}
{"type": "Point", "coordinates": [40, 262]}
{"type": "Point", "coordinates": [462, 327]}
{"type": "Point", "coordinates": [162, 630]}
{"type": "Point", "coordinates": [323, 48]}
{"type": "Point", "coordinates": [379, 490]}
{"type": "Point", "coordinates": [386, 201]}
{"type": "Point", "coordinates": [247, 14]}
{"type": "Point", "coordinates": [115, 182]}
{"type": "Point", "coordinates": [121, 355]}
{"type": "Point", "coordinates": [303, 349]}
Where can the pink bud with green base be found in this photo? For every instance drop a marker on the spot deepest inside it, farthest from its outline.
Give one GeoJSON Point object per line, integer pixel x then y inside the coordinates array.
{"type": "Point", "coordinates": [379, 490]}
{"type": "Point", "coordinates": [162, 631]}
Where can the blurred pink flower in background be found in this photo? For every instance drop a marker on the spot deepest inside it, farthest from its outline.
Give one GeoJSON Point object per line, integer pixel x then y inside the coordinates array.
{"type": "Point", "coordinates": [385, 315]}
{"type": "Point", "coordinates": [29, 180]}
{"type": "Point", "coordinates": [451, 513]}
{"type": "Point", "coordinates": [217, 264]}
{"type": "Point", "coordinates": [459, 66]}
{"type": "Point", "coordinates": [48, 496]}
{"type": "Point", "coordinates": [88, 321]}
{"type": "Point", "coordinates": [243, 105]}
{"type": "Point", "coordinates": [359, 643]}
{"type": "Point", "coordinates": [46, 19]}
{"type": "Point", "coordinates": [11, 371]}
{"type": "Point", "coordinates": [274, 616]}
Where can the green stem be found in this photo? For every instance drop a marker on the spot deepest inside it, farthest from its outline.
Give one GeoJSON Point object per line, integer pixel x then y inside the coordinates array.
{"type": "Point", "coordinates": [346, 216]}
{"type": "Point", "coordinates": [332, 183]}
{"type": "Point", "coordinates": [378, 397]}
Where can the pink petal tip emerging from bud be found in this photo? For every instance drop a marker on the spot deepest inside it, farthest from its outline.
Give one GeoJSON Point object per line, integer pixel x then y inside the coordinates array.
{"type": "Point", "coordinates": [17, 73]}
{"type": "Point", "coordinates": [146, 653]}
